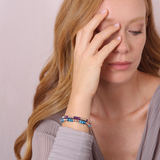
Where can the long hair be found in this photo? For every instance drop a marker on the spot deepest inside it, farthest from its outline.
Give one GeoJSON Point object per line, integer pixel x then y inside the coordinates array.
{"type": "Point", "coordinates": [53, 92]}
{"type": "Point", "coordinates": [150, 61]}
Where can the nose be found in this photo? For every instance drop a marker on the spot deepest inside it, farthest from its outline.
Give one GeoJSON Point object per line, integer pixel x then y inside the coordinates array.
{"type": "Point", "coordinates": [123, 47]}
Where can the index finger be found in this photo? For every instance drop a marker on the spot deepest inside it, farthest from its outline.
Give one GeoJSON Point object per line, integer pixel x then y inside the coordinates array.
{"type": "Point", "coordinates": [94, 23]}
{"type": "Point", "coordinates": [85, 34]}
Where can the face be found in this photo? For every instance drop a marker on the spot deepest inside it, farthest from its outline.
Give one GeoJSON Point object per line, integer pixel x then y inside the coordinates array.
{"type": "Point", "coordinates": [131, 16]}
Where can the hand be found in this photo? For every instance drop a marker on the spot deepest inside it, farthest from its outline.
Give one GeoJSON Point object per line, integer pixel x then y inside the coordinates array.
{"type": "Point", "coordinates": [88, 59]}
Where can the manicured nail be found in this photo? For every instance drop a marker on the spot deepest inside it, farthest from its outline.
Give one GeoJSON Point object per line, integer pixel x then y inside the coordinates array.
{"type": "Point", "coordinates": [119, 38]}
{"type": "Point", "coordinates": [104, 11]}
{"type": "Point", "coordinates": [116, 25]}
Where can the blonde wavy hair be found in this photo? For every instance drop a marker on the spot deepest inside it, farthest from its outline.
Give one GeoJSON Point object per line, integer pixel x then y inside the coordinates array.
{"type": "Point", "coordinates": [53, 92]}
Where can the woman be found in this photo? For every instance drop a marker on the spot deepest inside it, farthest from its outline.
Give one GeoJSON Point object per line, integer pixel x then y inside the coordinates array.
{"type": "Point", "coordinates": [104, 69]}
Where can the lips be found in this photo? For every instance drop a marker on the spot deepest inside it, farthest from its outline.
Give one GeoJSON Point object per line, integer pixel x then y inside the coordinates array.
{"type": "Point", "coordinates": [120, 65]}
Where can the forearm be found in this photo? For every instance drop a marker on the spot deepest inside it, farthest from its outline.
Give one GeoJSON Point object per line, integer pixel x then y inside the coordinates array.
{"type": "Point", "coordinates": [71, 144]}
{"type": "Point", "coordinates": [78, 106]}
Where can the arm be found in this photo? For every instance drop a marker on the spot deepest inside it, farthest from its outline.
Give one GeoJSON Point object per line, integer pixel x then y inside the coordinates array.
{"type": "Point", "coordinates": [89, 55]}
{"type": "Point", "coordinates": [72, 140]}
{"type": "Point", "coordinates": [71, 144]}
{"type": "Point", "coordinates": [53, 142]}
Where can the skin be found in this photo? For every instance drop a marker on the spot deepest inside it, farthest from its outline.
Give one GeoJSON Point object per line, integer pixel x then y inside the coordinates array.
{"type": "Point", "coordinates": [120, 105]}
{"type": "Point", "coordinates": [131, 46]}
{"type": "Point", "coordinates": [116, 102]}
{"type": "Point", "coordinates": [122, 86]}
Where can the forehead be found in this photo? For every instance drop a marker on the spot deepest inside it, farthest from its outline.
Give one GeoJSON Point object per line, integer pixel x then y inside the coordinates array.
{"type": "Point", "coordinates": [124, 10]}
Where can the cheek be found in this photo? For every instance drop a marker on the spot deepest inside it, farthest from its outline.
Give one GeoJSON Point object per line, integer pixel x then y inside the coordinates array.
{"type": "Point", "coordinates": [138, 44]}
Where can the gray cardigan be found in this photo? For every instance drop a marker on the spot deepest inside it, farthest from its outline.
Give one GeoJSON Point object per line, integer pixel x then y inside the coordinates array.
{"type": "Point", "coordinates": [51, 141]}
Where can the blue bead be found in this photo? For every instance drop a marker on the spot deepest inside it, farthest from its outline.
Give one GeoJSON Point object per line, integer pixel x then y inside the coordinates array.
{"type": "Point", "coordinates": [89, 126]}
{"type": "Point", "coordinates": [80, 121]}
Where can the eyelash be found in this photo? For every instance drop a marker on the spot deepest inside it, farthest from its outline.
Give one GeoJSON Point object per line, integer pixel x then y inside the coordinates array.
{"type": "Point", "coordinates": [136, 32]}
{"type": "Point", "coordinates": [133, 32]}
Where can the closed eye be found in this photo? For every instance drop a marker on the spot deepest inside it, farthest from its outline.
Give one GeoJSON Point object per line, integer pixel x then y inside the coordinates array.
{"type": "Point", "coordinates": [136, 32]}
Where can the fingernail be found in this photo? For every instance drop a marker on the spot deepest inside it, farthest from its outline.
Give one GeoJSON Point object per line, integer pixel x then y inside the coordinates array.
{"type": "Point", "coordinates": [104, 11]}
{"type": "Point", "coordinates": [116, 25]}
{"type": "Point", "coordinates": [119, 37]}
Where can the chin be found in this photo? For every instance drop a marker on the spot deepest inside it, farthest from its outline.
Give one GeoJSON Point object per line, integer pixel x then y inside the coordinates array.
{"type": "Point", "coordinates": [117, 77]}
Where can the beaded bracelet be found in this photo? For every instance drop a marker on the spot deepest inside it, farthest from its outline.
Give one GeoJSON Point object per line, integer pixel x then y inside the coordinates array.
{"type": "Point", "coordinates": [76, 119]}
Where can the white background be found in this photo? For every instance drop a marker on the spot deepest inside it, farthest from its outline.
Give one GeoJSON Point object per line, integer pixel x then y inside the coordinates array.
{"type": "Point", "coordinates": [26, 41]}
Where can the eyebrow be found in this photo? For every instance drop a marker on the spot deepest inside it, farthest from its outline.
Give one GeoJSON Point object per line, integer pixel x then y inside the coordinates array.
{"type": "Point", "coordinates": [131, 21]}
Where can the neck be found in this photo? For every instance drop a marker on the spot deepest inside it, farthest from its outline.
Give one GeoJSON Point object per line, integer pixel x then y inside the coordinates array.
{"type": "Point", "coordinates": [117, 100]}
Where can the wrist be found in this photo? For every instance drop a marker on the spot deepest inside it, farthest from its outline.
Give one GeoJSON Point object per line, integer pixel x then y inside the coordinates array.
{"type": "Point", "coordinates": [79, 106]}
{"type": "Point", "coordinates": [80, 97]}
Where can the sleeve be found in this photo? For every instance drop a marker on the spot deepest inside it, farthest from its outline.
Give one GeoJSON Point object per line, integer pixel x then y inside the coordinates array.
{"type": "Point", "coordinates": [53, 142]}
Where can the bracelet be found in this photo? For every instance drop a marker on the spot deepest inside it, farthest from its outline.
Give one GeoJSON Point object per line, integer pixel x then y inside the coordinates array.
{"type": "Point", "coordinates": [76, 119]}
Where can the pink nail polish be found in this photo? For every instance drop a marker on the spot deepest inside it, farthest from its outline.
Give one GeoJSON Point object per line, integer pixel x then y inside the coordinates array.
{"type": "Point", "coordinates": [116, 25]}
{"type": "Point", "coordinates": [104, 11]}
{"type": "Point", "coordinates": [119, 38]}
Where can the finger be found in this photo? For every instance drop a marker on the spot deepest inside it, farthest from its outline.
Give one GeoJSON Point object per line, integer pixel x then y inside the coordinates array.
{"type": "Point", "coordinates": [87, 31]}
{"type": "Point", "coordinates": [78, 38]}
{"type": "Point", "coordinates": [106, 50]}
{"type": "Point", "coordinates": [78, 50]}
{"type": "Point", "coordinates": [101, 37]}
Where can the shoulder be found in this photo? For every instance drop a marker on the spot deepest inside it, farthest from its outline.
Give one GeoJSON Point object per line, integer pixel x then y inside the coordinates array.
{"type": "Point", "coordinates": [44, 138]}
{"type": "Point", "coordinates": [149, 85]}
{"type": "Point", "coordinates": [148, 79]}
{"type": "Point", "coordinates": [47, 127]}
{"type": "Point", "coordinates": [154, 86]}
{"type": "Point", "coordinates": [50, 125]}
{"type": "Point", "coordinates": [153, 92]}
